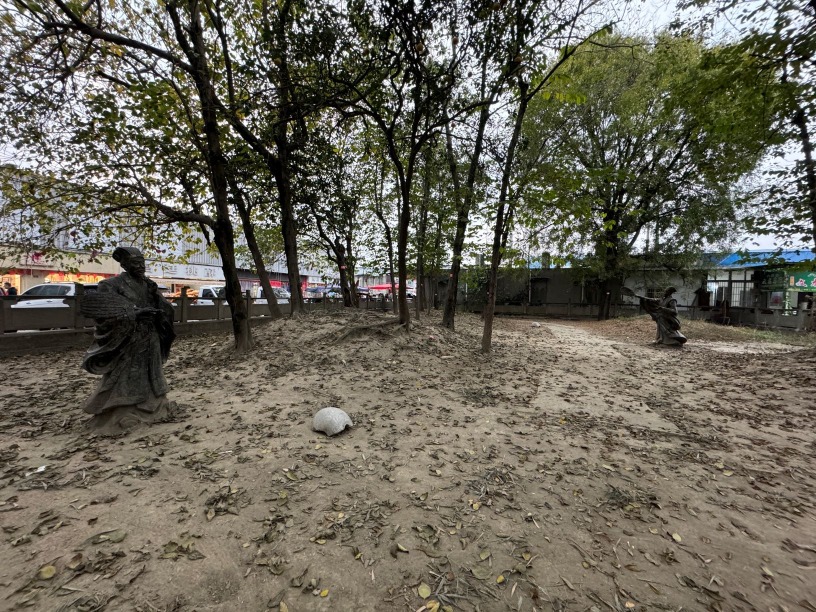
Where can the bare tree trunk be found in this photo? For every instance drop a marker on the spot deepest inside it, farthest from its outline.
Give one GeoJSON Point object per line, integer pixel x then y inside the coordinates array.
{"type": "Point", "coordinates": [800, 121]}
{"type": "Point", "coordinates": [421, 231]}
{"type": "Point", "coordinates": [346, 287]}
{"type": "Point", "coordinates": [504, 217]}
{"type": "Point", "coordinates": [464, 205]}
{"type": "Point", "coordinates": [283, 177]}
{"type": "Point", "coordinates": [462, 218]}
{"type": "Point", "coordinates": [402, 253]}
{"type": "Point", "coordinates": [350, 272]}
{"type": "Point", "coordinates": [263, 275]}
{"type": "Point", "coordinates": [436, 265]}
{"type": "Point", "coordinates": [464, 200]}
{"type": "Point", "coordinates": [389, 239]}
{"type": "Point", "coordinates": [288, 227]}
{"type": "Point", "coordinates": [611, 284]}
{"type": "Point", "coordinates": [254, 249]}
{"type": "Point", "coordinates": [389, 243]}
{"type": "Point", "coordinates": [222, 229]}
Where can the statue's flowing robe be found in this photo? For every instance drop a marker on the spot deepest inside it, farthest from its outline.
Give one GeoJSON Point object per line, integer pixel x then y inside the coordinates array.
{"type": "Point", "coordinates": [129, 352]}
{"type": "Point", "coordinates": [664, 313]}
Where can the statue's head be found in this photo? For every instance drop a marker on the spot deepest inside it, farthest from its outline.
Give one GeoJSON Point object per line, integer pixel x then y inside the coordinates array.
{"type": "Point", "coordinates": [669, 291]}
{"type": "Point", "coordinates": [131, 259]}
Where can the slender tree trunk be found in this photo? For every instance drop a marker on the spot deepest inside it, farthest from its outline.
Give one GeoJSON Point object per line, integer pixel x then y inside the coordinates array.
{"type": "Point", "coordinates": [389, 238]}
{"type": "Point", "coordinates": [402, 253]}
{"type": "Point", "coordinates": [222, 229]}
{"type": "Point", "coordinates": [436, 264]}
{"type": "Point", "coordinates": [288, 226]}
{"type": "Point", "coordinates": [464, 205]}
{"type": "Point", "coordinates": [233, 291]}
{"type": "Point", "coordinates": [389, 243]}
{"type": "Point", "coordinates": [462, 219]}
{"type": "Point", "coordinates": [266, 286]}
{"type": "Point", "coordinates": [421, 231]}
{"type": "Point", "coordinates": [254, 249]}
{"type": "Point", "coordinates": [504, 216]}
{"type": "Point", "coordinates": [800, 121]}
{"type": "Point", "coordinates": [263, 275]}
{"type": "Point", "coordinates": [342, 268]}
{"type": "Point", "coordinates": [611, 284]}
{"type": "Point", "coordinates": [283, 178]}
{"type": "Point", "coordinates": [260, 266]}
{"type": "Point", "coordinates": [344, 287]}
{"type": "Point", "coordinates": [350, 271]}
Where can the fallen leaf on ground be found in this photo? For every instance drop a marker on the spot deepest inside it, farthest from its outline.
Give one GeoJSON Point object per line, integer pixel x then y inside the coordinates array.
{"type": "Point", "coordinates": [46, 572]}
{"type": "Point", "coordinates": [482, 572]}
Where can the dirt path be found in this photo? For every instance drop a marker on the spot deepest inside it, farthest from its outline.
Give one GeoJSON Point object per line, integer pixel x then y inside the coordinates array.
{"type": "Point", "coordinates": [673, 443]}
{"type": "Point", "coordinates": [569, 471]}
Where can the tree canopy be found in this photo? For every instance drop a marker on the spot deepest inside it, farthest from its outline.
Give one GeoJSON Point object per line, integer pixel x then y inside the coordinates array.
{"type": "Point", "coordinates": [780, 37]}
{"type": "Point", "coordinates": [395, 132]}
{"type": "Point", "coordinates": [639, 148]}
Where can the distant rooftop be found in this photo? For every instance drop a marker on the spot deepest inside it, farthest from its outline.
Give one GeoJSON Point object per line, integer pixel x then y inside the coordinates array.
{"type": "Point", "coordinates": [752, 259]}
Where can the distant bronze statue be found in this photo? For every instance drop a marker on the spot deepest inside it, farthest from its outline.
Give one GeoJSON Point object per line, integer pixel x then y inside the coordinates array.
{"type": "Point", "coordinates": [134, 331]}
{"type": "Point", "coordinates": [664, 313]}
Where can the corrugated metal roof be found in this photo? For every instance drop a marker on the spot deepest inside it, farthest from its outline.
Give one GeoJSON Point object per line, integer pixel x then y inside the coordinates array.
{"type": "Point", "coordinates": [752, 259]}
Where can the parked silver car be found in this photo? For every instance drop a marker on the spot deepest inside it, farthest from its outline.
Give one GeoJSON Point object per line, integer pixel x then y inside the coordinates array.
{"type": "Point", "coordinates": [49, 295]}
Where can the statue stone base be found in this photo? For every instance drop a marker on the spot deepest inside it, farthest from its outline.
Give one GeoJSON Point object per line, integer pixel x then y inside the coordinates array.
{"type": "Point", "coordinates": [124, 418]}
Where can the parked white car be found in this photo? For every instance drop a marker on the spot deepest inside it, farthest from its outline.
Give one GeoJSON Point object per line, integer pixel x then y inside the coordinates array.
{"type": "Point", "coordinates": [282, 295]}
{"type": "Point", "coordinates": [49, 295]}
{"type": "Point", "coordinates": [208, 293]}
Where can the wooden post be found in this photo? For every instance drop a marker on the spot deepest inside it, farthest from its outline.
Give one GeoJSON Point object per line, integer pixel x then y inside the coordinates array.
{"type": "Point", "coordinates": [76, 304]}
{"type": "Point", "coordinates": [185, 303]}
{"type": "Point", "coordinates": [248, 298]}
{"type": "Point", "coordinates": [2, 315]}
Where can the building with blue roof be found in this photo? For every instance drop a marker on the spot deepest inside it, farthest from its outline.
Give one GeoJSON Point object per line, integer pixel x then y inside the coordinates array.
{"type": "Point", "coordinates": [754, 259]}
{"type": "Point", "coordinates": [767, 280]}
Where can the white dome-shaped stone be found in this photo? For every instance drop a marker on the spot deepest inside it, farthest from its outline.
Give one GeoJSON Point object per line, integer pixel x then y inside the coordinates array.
{"type": "Point", "coordinates": [331, 421]}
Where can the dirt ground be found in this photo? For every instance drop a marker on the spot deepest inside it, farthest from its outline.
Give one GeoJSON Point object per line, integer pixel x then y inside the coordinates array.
{"type": "Point", "coordinates": [577, 468]}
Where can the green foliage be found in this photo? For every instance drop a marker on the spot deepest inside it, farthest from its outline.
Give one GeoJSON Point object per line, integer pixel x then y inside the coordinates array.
{"type": "Point", "coordinates": [644, 150]}
{"type": "Point", "coordinates": [780, 37]}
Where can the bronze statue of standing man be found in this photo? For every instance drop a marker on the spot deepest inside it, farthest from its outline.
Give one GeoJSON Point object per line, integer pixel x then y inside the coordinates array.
{"type": "Point", "coordinates": [132, 339]}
